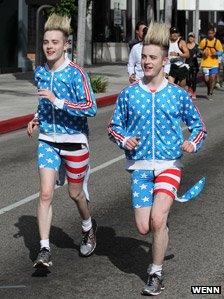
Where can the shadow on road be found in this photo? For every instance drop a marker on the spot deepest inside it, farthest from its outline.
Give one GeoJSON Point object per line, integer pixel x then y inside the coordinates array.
{"type": "Point", "coordinates": [129, 255]}
{"type": "Point", "coordinates": [28, 229]}
{"type": "Point", "coordinates": [125, 253]}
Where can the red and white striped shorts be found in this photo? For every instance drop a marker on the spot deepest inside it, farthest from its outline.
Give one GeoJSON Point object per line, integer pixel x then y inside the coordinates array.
{"type": "Point", "coordinates": [75, 158]}
{"type": "Point", "coordinates": [147, 183]}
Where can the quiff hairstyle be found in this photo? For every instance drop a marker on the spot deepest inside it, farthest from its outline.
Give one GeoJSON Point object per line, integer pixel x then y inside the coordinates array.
{"type": "Point", "coordinates": [57, 22]}
{"type": "Point", "coordinates": [158, 34]}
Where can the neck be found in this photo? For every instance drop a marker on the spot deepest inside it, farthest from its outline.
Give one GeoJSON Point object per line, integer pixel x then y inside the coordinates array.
{"type": "Point", "coordinates": [53, 65]}
{"type": "Point", "coordinates": [154, 82]}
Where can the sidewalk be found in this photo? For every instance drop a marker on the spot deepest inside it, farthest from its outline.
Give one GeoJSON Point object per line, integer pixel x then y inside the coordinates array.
{"type": "Point", "coordinates": [18, 97]}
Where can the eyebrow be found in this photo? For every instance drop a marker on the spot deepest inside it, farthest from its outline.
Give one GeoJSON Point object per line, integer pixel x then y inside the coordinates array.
{"type": "Point", "coordinates": [53, 40]}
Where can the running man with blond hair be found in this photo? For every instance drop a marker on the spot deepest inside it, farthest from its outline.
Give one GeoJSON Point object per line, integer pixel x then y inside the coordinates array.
{"type": "Point", "coordinates": [66, 100]}
{"type": "Point", "coordinates": [146, 123]}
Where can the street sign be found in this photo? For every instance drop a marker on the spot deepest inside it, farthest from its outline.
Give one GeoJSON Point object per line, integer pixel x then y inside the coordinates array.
{"type": "Point", "coordinates": [117, 16]}
{"type": "Point", "coordinates": [118, 4]}
{"type": "Point", "coordinates": [204, 5]}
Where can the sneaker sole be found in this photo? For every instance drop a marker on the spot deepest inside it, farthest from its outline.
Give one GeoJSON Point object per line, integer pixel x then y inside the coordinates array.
{"type": "Point", "coordinates": [146, 293]}
{"type": "Point", "coordinates": [41, 264]}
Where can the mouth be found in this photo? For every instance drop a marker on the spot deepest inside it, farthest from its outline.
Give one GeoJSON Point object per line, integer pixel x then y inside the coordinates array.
{"type": "Point", "coordinates": [148, 68]}
{"type": "Point", "coordinates": [50, 53]}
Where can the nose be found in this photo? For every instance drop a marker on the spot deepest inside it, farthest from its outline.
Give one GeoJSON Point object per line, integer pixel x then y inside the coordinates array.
{"type": "Point", "coordinates": [147, 59]}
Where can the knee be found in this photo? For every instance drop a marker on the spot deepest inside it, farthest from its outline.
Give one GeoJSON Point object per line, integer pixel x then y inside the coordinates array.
{"type": "Point", "coordinates": [143, 228]}
{"type": "Point", "coordinates": [77, 195]}
{"type": "Point", "coordinates": [46, 196]}
{"type": "Point", "coordinates": [158, 223]}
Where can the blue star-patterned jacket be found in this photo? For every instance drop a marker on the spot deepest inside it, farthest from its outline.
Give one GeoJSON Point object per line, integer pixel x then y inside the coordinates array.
{"type": "Point", "coordinates": [155, 117]}
{"type": "Point", "coordinates": [75, 101]}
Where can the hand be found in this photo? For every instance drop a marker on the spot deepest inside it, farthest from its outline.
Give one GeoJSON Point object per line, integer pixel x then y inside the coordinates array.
{"type": "Point", "coordinates": [132, 79]}
{"type": "Point", "coordinates": [187, 146]}
{"type": "Point", "coordinates": [131, 143]}
{"type": "Point", "coordinates": [32, 125]}
{"type": "Point", "coordinates": [47, 94]}
{"type": "Point", "coordinates": [173, 54]}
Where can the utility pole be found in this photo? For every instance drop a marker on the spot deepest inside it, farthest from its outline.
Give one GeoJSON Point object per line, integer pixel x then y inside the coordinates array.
{"type": "Point", "coordinates": [157, 10]}
{"type": "Point", "coordinates": [133, 18]}
{"type": "Point", "coordinates": [81, 32]}
{"type": "Point", "coordinates": [196, 20]}
{"type": "Point", "coordinates": [22, 35]}
{"type": "Point", "coordinates": [168, 12]}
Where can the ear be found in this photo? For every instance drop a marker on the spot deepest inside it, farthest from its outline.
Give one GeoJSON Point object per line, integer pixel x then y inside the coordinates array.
{"type": "Point", "coordinates": [66, 45]}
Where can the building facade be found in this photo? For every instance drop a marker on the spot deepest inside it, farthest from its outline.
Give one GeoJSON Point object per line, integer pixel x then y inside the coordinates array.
{"type": "Point", "coordinates": [110, 24]}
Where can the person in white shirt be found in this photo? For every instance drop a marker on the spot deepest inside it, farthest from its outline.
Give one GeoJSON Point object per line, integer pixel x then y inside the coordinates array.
{"type": "Point", "coordinates": [178, 52]}
{"type": "Point", "coordinates": [135, 71]}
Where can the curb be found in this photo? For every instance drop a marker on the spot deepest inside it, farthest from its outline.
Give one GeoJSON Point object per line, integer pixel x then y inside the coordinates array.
{"type": "Point", "coordinates": [21, 122]}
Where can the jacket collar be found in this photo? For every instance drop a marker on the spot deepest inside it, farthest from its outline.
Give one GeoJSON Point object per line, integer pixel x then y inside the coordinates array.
{"type": "Point", "coordinates": [60, 68]}
{"type": "Point", "coordinates": [162, 85]}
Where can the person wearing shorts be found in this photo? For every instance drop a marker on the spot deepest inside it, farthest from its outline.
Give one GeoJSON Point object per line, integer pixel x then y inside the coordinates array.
{"type": "Point", "coordinates": [66, 100]}
{"type": "Point", "coordinates": [209, 47]}
{"type": "Point", "coordinates": [146, 123]}
{"type": "Point", "coordinates": [178, 52]}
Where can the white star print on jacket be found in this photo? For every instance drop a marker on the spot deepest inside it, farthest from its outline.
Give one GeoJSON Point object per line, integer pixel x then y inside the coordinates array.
{"type": "Point", "coordinates": [66, 119]}
{"type": "Point", "coordinates": [155, 117]}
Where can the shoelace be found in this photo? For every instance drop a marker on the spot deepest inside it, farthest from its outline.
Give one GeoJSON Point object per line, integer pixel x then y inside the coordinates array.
{"type": "Point", "coordinates": [87, 235]}
{"type": "Point", "coordinates": [43, 253]}
{"type": "Point", "coordinates": [153, 278]}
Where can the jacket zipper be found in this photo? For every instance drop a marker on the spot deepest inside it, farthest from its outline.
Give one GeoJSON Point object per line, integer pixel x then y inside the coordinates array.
{"type": "Point", "coordinates": [153, 129]}
{"type": "Point", "coordinates": [53, 115]}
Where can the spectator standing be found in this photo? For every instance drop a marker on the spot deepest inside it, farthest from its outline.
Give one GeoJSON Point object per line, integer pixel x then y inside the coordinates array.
{"type": "Point", "coordinates": [139, 34]}
{"type": "Point", "coordinates": [192, 61]}
{"type": "Point", "coordinates": [220, 35]}
{"type": "Point", "coordinates": [135, 71]}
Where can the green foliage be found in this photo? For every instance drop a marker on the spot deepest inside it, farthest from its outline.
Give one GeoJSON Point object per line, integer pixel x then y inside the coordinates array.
{"type": "Point", "coordinates": [68, 8]}
{"type": "Point", "coordinates": [98, 83]}
{"type": "Point", "coordinates": [65, 8]}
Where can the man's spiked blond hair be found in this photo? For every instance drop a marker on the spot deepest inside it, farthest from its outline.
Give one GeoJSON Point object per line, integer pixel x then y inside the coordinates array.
{"type": "Point", "coordinates": [57, 22]}
{"type": "Point", "coordinates": [157, 34]}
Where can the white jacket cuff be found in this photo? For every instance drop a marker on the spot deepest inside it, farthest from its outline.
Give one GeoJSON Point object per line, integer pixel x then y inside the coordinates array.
{"type": "Point", "coordinates": [194, 145]}
{"type": "Point", "coordinates": [59, 103]}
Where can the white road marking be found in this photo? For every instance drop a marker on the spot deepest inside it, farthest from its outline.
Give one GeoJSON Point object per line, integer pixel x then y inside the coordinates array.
{"type": "Point", "coordinates": [12, 287]}
{"type": "Point", "coordinates": [34, 196]}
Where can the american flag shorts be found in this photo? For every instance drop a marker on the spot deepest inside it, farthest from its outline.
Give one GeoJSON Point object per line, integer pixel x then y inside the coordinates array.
{"type": "Point", "coordinates": [75, 158]}
{"type": "Point", "coordinates": [147, 183]}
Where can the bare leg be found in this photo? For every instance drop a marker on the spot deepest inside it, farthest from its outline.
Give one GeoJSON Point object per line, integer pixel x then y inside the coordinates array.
{"type": "Point", "coordinates": [44, 211]}
{"type": "Point", "coordinates": [142, 216]}
{"type": "Point", "coordinates": [207, 84]}
{"type": "Point", "coordinates": [212, 82]}
{"type": "Point", "coordinates": [159, 214]}
{"type": "Point", "coordinates": [78, 195]}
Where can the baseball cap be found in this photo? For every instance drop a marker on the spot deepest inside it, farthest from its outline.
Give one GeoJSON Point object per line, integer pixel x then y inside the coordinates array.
{"type": "Point", "coordinates": [191, 34]}
{"type": "Point", "coordinates": [174, 30]}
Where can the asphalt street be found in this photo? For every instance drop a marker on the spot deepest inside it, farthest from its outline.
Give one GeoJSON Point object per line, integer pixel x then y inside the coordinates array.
{"type": "Point", "coordinates": [118, 267]}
